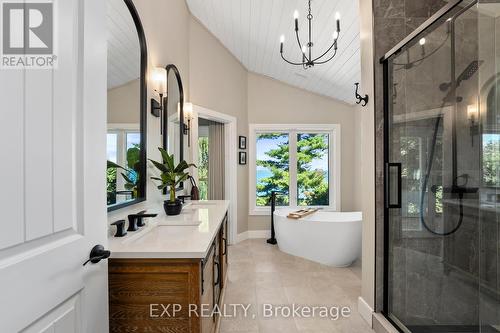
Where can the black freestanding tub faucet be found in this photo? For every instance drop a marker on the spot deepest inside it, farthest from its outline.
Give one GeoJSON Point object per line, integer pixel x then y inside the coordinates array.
{"type": "Point", "coordinates": [273, 240]}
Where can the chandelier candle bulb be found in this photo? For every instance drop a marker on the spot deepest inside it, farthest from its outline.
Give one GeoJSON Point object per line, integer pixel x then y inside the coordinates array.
{"type": "Point", "coordinates": [296, 17]}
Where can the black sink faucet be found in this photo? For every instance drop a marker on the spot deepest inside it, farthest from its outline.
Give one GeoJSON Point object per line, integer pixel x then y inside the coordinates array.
{"type": "Point", "coordinates": [136, 220]}
{"type": "Point", "coordinates": [184, 197]}
{"type": "Point", "coordinates": [120, 228]}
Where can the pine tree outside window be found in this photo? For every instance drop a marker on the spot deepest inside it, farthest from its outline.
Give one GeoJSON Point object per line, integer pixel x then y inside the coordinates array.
{"type": "Point", "coordinates": [302, 162]}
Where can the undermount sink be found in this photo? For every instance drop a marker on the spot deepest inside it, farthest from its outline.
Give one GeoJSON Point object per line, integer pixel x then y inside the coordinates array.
{"type": "Point", "coordinates": [188, 217]}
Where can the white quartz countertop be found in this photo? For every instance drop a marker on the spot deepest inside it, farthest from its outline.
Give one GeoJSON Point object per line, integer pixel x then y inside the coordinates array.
{"type": "Point", "coordinates": [188, 235]}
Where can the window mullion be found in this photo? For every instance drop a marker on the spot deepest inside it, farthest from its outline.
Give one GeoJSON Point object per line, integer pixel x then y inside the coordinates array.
{"type": "Point", "coordinates": [293, 168]}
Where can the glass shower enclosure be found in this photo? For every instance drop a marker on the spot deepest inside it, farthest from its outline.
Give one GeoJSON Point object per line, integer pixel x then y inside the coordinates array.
{"type": "Point", "coordinates": [442, 173]}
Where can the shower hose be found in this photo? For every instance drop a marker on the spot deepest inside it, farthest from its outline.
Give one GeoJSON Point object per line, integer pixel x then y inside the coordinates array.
{"type": "Point", "coordinates": [424, 187]}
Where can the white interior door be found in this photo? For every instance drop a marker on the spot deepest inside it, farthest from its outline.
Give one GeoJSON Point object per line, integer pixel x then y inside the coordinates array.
{"type": "Point", "coordinates": [53, 205]}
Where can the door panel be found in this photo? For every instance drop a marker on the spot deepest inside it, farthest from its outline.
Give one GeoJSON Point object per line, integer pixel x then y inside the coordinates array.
{"type": "Point", "coordinates": [11, 88]}
{"type": "Point", "coordinates": [62, 319]}
{"type": "Point", "coordinates": [38, 147]}
{"type": "Point", "coordinates": [53, 131]}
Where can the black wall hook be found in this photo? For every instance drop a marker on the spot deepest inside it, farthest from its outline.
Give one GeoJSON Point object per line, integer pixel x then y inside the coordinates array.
{"type": "Point", "coordinates": [359, 98]}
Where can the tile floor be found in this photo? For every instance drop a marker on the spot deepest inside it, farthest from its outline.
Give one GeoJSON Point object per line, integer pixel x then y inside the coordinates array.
{"type": "Point", "coordinates": [261, 274]}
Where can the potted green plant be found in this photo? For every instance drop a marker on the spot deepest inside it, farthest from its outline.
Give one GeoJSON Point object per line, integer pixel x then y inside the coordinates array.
{"type": "Point", "coordinates": [171, 176]}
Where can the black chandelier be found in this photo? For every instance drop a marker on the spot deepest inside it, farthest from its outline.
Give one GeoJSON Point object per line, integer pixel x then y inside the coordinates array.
{"type": "Point", "coordinates": [306, 49]}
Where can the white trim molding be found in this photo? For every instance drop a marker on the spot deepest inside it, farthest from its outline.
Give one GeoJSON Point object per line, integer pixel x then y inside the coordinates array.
{"type": "Point", "coordinates": [231, 154]}
{"type": "Point", "coordinates": [365, 310]}
{"type": "Point", "coordinates": [334, 160]}
{"type": "Point", "coordinates": [253, 234]}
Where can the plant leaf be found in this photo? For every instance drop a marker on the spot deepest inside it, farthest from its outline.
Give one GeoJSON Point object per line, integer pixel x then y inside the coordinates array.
{"type": "Point", "coordinates": [168, 160]}
{"type": "Point", "coordinates": [181, 167]}
{"type": "Point", "coordinates": [159, 166]}
{"type": "Point", "coordinates": [114, 165]}
{"type": "Point", "coordinates": [182, 178]}
{"type": "Point", "coordinates": [133, 156]}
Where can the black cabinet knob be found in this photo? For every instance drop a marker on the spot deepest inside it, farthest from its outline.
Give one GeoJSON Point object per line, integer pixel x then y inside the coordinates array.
{"type": "Point", "coordinates": [120, 228]}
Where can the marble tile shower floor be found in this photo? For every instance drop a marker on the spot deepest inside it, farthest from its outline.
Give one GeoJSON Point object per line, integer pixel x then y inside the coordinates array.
{"type": "Point", "coordinates": [260, 274]}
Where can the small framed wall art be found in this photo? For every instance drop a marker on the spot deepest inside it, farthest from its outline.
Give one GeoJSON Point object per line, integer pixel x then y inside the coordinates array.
{"type": "Point", "coordinates": [243, 158]}
{"type": "Point", "coordinates": [243, 142]}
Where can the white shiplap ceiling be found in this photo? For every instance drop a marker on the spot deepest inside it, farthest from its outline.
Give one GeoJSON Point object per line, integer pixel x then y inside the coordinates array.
{"type": "Point", "coordinates": [250, 30]}
{"type": "Point", "coordinates": [124, 53]}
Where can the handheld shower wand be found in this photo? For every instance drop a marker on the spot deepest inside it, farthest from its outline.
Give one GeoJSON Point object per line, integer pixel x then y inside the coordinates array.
{"type": "Point", "coordinates": [455, 188]}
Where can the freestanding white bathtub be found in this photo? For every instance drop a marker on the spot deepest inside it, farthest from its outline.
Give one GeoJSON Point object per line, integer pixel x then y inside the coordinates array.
{"type": "Point", "coordinates": [330, 238]}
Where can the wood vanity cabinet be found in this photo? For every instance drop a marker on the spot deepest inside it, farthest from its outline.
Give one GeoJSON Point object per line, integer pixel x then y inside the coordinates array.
{"type": "Point", "coordinates": [142, 292]}
{"type": "Point", "coordinates": [208, 293]}
{"type": "Point", "coordinates": [223, 249]}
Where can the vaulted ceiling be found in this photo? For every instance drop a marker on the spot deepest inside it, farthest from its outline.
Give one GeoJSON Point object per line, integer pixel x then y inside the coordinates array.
{"type": "Point", "coordinates": [251, 29]}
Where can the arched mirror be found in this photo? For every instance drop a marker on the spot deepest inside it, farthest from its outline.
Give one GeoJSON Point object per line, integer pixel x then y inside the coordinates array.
{"type": "Point", "coordinates": [126, 109]}
{"type": "Point", "coordinates": [173, 124]}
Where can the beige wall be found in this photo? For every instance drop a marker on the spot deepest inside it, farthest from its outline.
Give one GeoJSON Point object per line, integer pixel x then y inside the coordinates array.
{"type": "Point", "coordinates": [274, 102]}
{"type": "Point", "coordinates": [219, 82]}
{"type": "Point", "coordinates": [123, 103]}
{"type": "Point", "coordinates": [367, 151]}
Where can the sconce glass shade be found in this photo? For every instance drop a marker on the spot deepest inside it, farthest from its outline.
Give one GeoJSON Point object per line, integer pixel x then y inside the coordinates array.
{"type": "Point", "coordinates": [188, 110]}
{"type": "Point", "coordinates": [160, 80]}
{"type": "Point", "coordinates": [472, 112]}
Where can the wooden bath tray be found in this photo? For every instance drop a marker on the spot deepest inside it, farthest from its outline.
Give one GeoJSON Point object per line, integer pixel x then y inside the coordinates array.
{"type": "Point", "coordinates": [302, 213]}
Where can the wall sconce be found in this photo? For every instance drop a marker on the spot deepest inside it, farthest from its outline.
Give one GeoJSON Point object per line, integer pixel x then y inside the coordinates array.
{"type": "Point", "coordinates": [473, 117]}
{"type": "Point", "coordinates": [159, 83]}
{"type": "Point", "coordinates": [188, 115]}
{"type": "Point", "coordinates": [422, 46]}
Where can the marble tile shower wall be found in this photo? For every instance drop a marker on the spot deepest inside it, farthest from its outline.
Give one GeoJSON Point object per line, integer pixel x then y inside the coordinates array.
{"type": "Point", "coordinates": [393, 20]}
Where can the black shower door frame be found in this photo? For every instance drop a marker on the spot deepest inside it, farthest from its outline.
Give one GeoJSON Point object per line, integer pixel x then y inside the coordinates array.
{"type": "Point", "coordinates": [396, 50]}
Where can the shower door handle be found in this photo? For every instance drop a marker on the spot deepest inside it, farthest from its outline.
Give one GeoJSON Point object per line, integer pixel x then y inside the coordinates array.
{"type": "Point", "coordinates": [393, 185]}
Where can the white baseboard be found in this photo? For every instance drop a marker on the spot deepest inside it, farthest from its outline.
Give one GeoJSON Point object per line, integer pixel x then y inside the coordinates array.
{"type": "Point", "coordinates": [241, 237]}
{"type": "Point", "coordinates": [253, 234]}
{"type": "Point", "coordinates": [365, 311]}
